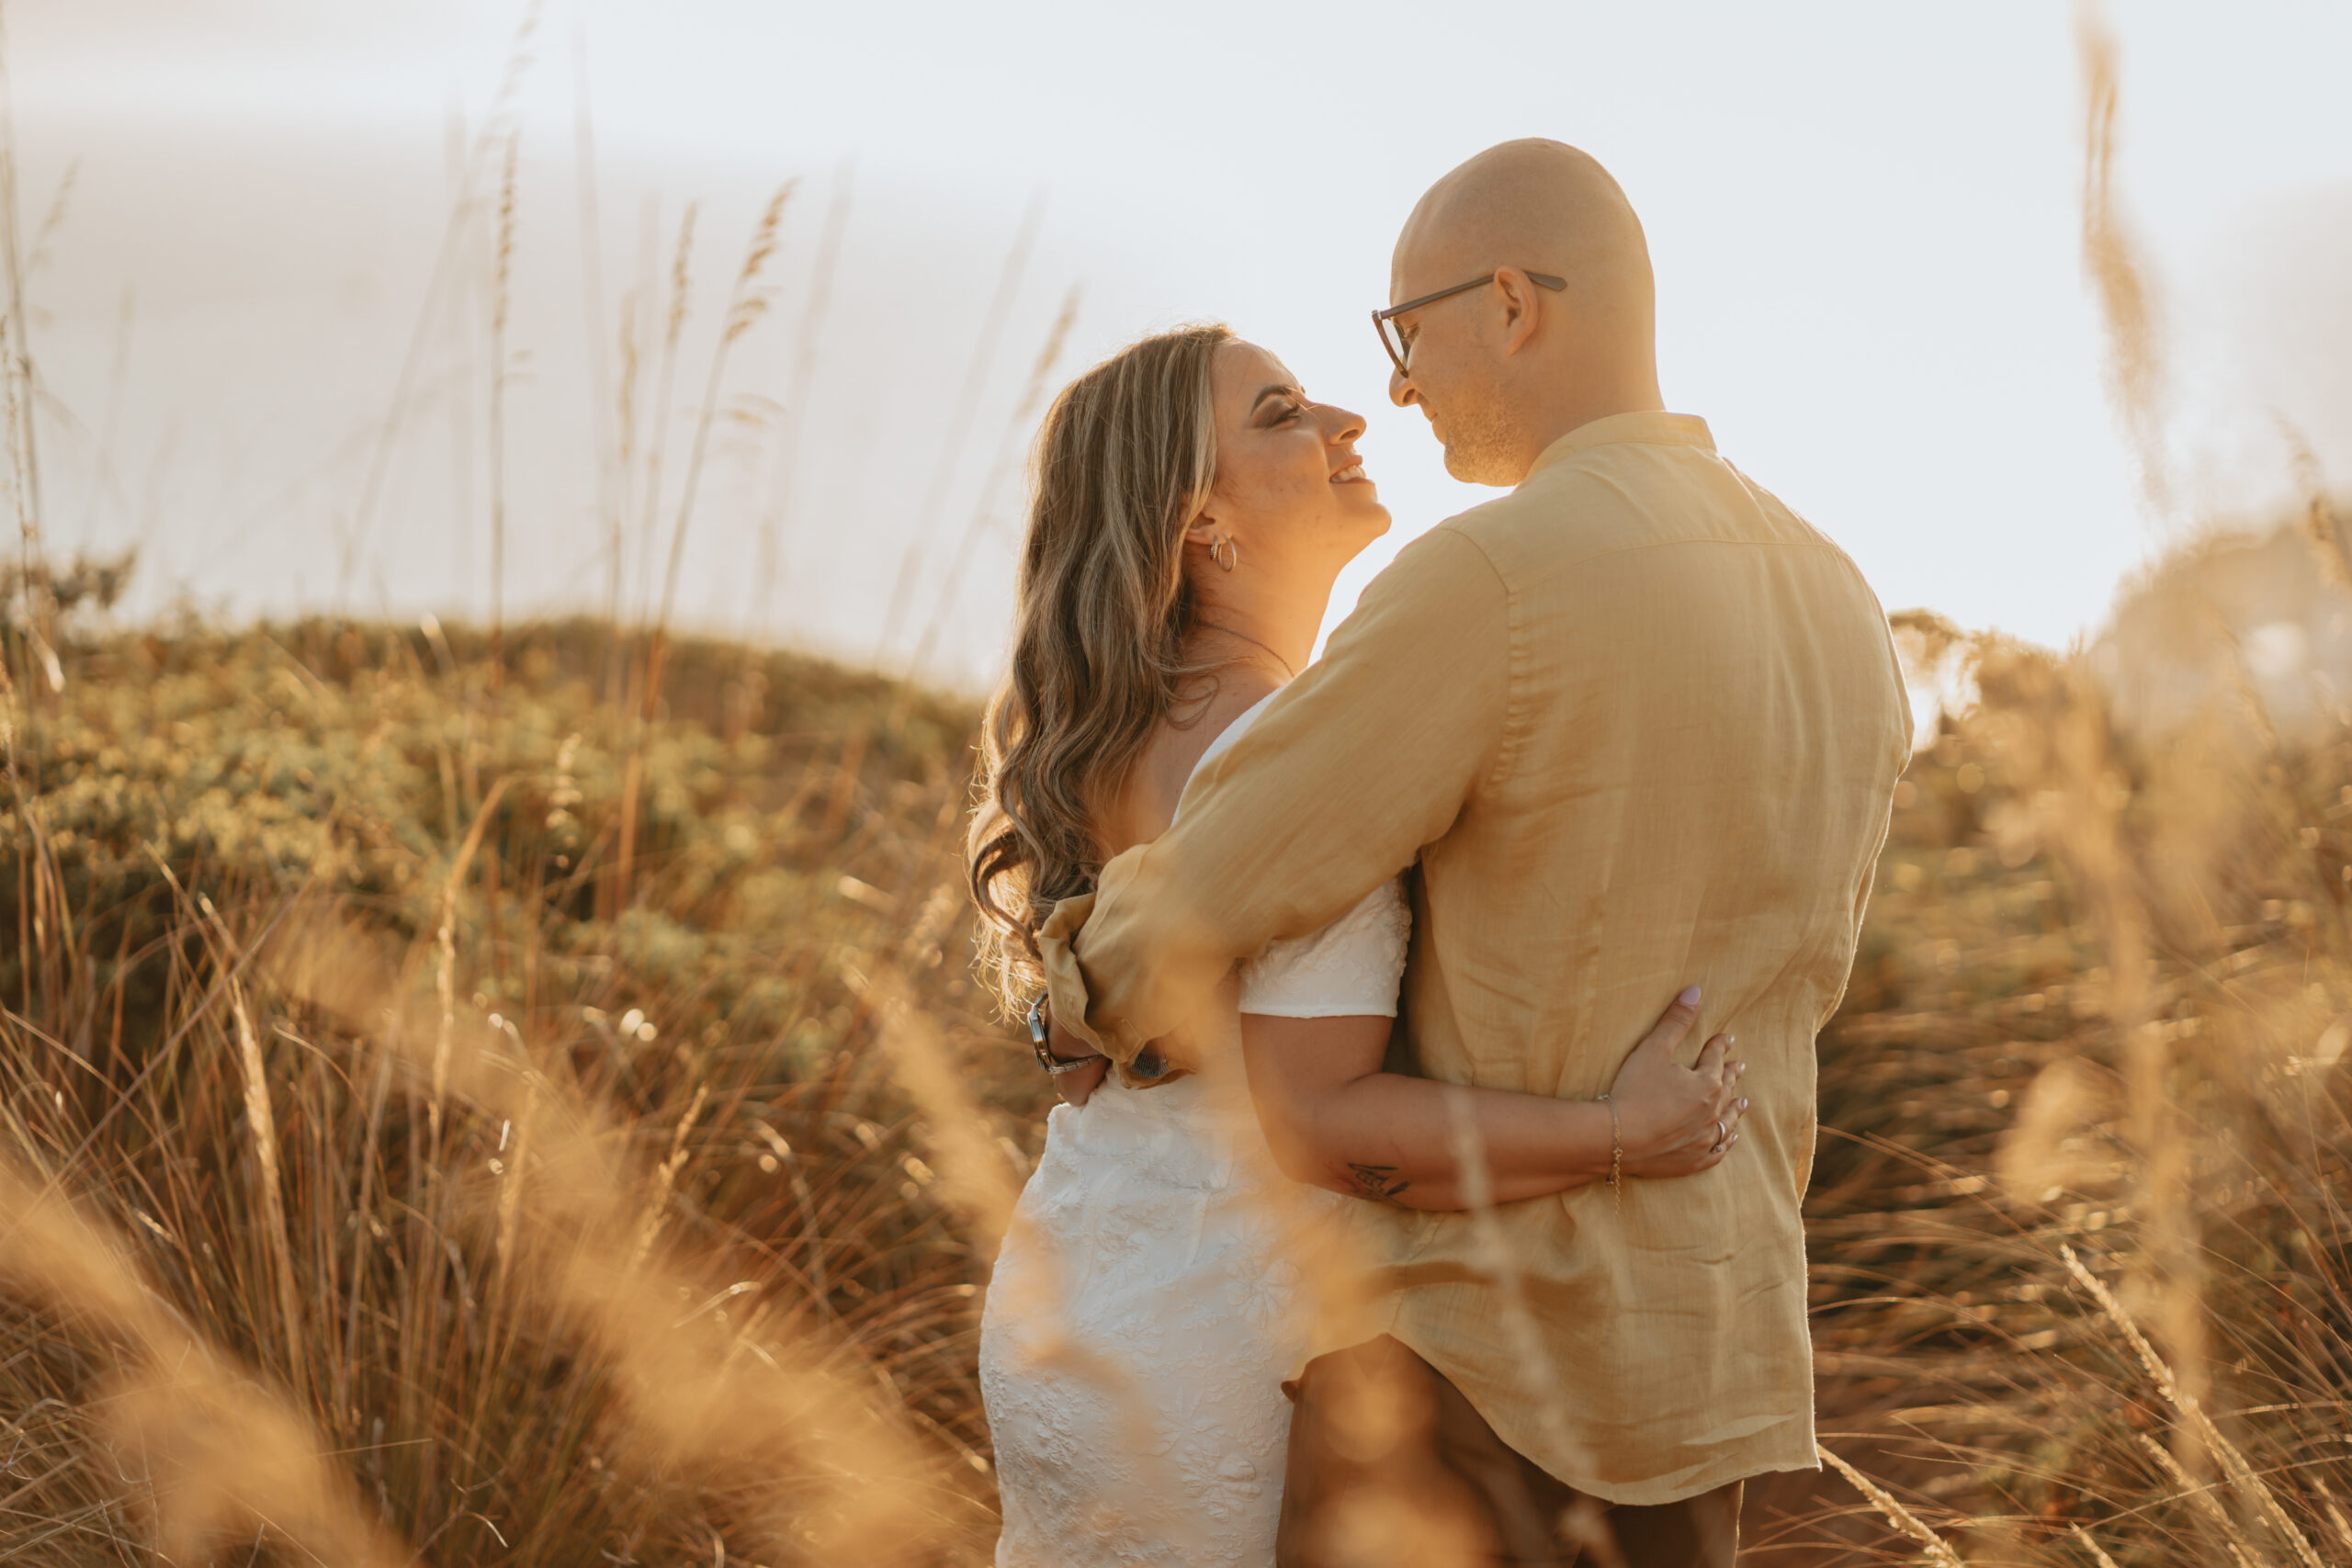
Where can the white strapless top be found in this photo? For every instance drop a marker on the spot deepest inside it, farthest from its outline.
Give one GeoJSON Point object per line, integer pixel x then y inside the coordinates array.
{"type": "Point", "coordinates": [1349, 968]}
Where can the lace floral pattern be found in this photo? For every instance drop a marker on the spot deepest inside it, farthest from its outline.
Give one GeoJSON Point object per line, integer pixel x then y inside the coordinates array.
{"type": "Point", "coordinates": [1153, 1292]}
{"type": "Point", "coordinates": [1349, 967]}
{"type": "Point", "coordinates": [1146, 1307]}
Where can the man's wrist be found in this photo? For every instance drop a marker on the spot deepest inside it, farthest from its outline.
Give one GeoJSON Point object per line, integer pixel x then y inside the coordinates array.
{"type": "Point", "coordinates": [1041, 1041]}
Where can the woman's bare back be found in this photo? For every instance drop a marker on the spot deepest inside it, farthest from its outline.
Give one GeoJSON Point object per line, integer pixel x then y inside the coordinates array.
{"type": "Point", "coordinates": [1146, 803]}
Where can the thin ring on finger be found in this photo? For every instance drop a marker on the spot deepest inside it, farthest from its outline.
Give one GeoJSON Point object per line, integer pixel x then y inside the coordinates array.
{"type": "Point", "coordinates": [1721, 1134]}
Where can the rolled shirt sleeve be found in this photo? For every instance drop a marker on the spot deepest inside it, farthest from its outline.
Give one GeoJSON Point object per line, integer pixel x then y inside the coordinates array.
{"type": "Point", "coordinates": [1369, 755]}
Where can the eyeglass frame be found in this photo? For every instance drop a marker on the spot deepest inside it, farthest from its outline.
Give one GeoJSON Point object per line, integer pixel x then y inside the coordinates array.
{"type": "Point", "coordinates": [1399, 351]}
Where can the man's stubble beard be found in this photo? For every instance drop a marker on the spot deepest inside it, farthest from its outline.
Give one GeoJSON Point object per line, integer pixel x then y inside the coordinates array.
{"type": "Point", "coordinates": [1479, 440]}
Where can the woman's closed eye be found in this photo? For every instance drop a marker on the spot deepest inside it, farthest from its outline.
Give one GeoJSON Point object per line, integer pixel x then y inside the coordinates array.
{"type": "Point", "coordinates": [1278, 405]}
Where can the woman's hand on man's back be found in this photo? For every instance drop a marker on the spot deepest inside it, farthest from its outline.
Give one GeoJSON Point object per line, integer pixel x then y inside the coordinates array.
{"type": "Point", "coordinates": [1673, 1120]}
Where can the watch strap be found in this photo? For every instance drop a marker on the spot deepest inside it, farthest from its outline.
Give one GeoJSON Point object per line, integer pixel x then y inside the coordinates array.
{"type": "Point", "coordinates": [1039, 1036]}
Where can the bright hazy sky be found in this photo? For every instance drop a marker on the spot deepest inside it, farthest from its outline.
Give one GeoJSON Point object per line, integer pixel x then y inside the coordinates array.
{"type": "Point", "coordinates": [1863, 217]}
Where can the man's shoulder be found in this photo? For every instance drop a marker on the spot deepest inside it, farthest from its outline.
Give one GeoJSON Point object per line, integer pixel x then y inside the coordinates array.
{"type": "Point", "coordinates": [1453, 549]}
{"type": "Point", "coordinates": [1559, 515]}
{"type": "Point", "coordinates": [1615, 501]}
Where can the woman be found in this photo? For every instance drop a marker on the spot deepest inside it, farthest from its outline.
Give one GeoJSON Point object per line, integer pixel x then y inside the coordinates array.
{"type": "Point", "coordinates": [1192, 509]}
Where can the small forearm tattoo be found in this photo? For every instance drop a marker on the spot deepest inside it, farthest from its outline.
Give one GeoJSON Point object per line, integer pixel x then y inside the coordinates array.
{"type": "Point", "coordinates": [1380, 1183]}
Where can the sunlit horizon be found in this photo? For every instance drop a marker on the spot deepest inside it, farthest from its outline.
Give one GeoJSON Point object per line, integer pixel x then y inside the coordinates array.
{"type": "Point", "coordinates": [1878, 306]}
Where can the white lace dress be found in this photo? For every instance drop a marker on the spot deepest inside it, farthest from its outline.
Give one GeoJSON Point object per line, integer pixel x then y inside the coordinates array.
{"type": "Point", "coordinates": [1155, 1289]}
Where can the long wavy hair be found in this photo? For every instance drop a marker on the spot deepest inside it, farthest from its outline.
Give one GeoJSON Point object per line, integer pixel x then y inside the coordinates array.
{"type": "Point", "coordinates": [1121, 467]}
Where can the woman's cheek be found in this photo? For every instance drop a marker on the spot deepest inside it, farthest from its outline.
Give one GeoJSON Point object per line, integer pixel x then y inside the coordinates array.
{"type": "Point", "coordinates": [1315, 479]}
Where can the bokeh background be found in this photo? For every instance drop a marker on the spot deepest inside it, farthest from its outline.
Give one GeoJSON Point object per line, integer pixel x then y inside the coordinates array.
{"type": "Point", "coordinates": [264, 290]}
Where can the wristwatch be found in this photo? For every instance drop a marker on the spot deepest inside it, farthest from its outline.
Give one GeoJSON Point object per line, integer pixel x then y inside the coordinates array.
{"type": "Point", "coordinates": [1038, 1035]}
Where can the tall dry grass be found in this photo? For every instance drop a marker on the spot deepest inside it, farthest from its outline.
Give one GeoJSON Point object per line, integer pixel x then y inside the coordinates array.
{"type": "Point", "coordinates": [520, 1096]}
{"type": "Point", "coordinates": [360, 1196]}
{"type": "Point", "coordinates": [2084, 1287]}
{"type": "Point", "coordinates": [363, 1201]}
{"type": "Point", "coordinates": [2079, 1249]}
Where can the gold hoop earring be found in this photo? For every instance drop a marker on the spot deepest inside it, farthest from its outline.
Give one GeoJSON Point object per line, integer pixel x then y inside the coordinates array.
{"type": "Point", "coordinates": [1225, 552]}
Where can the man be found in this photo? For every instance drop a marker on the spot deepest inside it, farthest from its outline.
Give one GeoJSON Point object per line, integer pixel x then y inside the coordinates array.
{"type": "Point", "coordinates": [1640, 725]}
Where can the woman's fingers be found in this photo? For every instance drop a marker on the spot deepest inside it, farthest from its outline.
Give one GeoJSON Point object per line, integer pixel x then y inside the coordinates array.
{"type": "Point", "coordinates": [1708, 1151]}
{"type": "Point", "coordinates": [1674, 1025]}
{"type": "Point", "coordinates": [1703, 1132]}
{"type": "Point", "coordinates": [1715, 1057]}
{"type": "Point", "coordinates": [1715, 1135]}
{"type": "Point", "coordinates": [1729, 1121]}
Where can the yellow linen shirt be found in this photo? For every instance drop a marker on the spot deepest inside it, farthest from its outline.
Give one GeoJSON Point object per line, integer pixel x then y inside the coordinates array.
{"type": "Point", "coordinates": [1640, 724]}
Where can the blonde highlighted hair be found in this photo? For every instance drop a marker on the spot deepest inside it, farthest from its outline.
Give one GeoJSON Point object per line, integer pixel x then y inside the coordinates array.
{"type": "Point", "coordinates": [1123, 465]}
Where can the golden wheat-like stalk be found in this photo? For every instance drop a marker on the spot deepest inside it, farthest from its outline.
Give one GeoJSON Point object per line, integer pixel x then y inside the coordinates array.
{"type": "Point", "coordinates": [785, 470]}
{"type": "Point", "coordinates": [2098, 1553]}
{"type": "Point", "coordinates": [445, 942]}
{"type": "Point", "coordinates": [959, 426]}
{"type": "Point", "coordinates": [501, 293]}
{"type": "Point", "coordinates": [439, 289]}
{"type": "Point", "coordinates": [985, 511]}
{"type": "Point", "coordinates": [2119, 275]}
{"type": "Point", "coordinates": [2251, 1489]}
{"type": "Point", "coordinates": [1937, 1549]}
{"type": "Point", "coordinates": [225, 1456]}
{"type": "Point", "coordinates": [744, 308]}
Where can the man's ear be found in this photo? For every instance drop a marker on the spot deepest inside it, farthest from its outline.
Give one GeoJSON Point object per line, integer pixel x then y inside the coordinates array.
{"type": "Point", "coordinates": [1524, 308]}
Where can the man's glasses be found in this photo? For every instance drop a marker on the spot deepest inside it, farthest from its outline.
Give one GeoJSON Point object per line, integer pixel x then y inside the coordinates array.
{"type": "Point", "coordinates": [1392, 337]}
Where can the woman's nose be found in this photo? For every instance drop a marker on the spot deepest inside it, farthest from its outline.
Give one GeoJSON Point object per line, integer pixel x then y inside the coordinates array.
{"type": "Point", "coordinates": [1341, 425]}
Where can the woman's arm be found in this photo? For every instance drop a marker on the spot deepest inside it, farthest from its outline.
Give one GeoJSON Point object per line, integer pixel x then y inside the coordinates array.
{"type": "Point", "coordinates": [1333, 1119]}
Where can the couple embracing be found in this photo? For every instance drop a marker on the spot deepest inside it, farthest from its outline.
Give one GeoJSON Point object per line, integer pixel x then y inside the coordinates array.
{"type": "Point", "coordinates": [1392, 1218]}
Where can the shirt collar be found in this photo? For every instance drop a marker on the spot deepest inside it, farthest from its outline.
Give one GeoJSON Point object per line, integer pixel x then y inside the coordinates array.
{"type": "Point", "coordinates": [1647, 429]}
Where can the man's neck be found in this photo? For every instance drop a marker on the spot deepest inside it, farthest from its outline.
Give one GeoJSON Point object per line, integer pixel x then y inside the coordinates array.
{"type": "Point", "coordinates": [1573, 411]}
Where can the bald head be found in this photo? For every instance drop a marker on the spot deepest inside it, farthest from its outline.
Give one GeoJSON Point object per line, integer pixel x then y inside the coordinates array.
{"type": "Point", "coordinates": [1578, 353]}
{"type": "Point", "coordinates": [1540, 205]}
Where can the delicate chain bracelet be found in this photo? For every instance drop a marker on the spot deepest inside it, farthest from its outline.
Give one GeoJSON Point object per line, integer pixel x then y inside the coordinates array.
{"type": "Point", "coordinates": [1616, 1150]}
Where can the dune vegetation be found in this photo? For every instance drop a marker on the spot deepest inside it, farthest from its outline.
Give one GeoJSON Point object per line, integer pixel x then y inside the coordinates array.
{"type": "Point", "coordinates": [452, 1114]}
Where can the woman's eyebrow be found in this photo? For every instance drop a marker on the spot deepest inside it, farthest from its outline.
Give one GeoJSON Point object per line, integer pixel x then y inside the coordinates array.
{"type": "Point", "coordinates": [1279, 388]}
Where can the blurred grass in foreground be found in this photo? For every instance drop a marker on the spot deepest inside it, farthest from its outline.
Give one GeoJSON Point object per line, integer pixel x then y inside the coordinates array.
{"type": "Point", "coordinates": [391, 1171]}
{"type": "Point", "coordinates": [602, 1230]}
